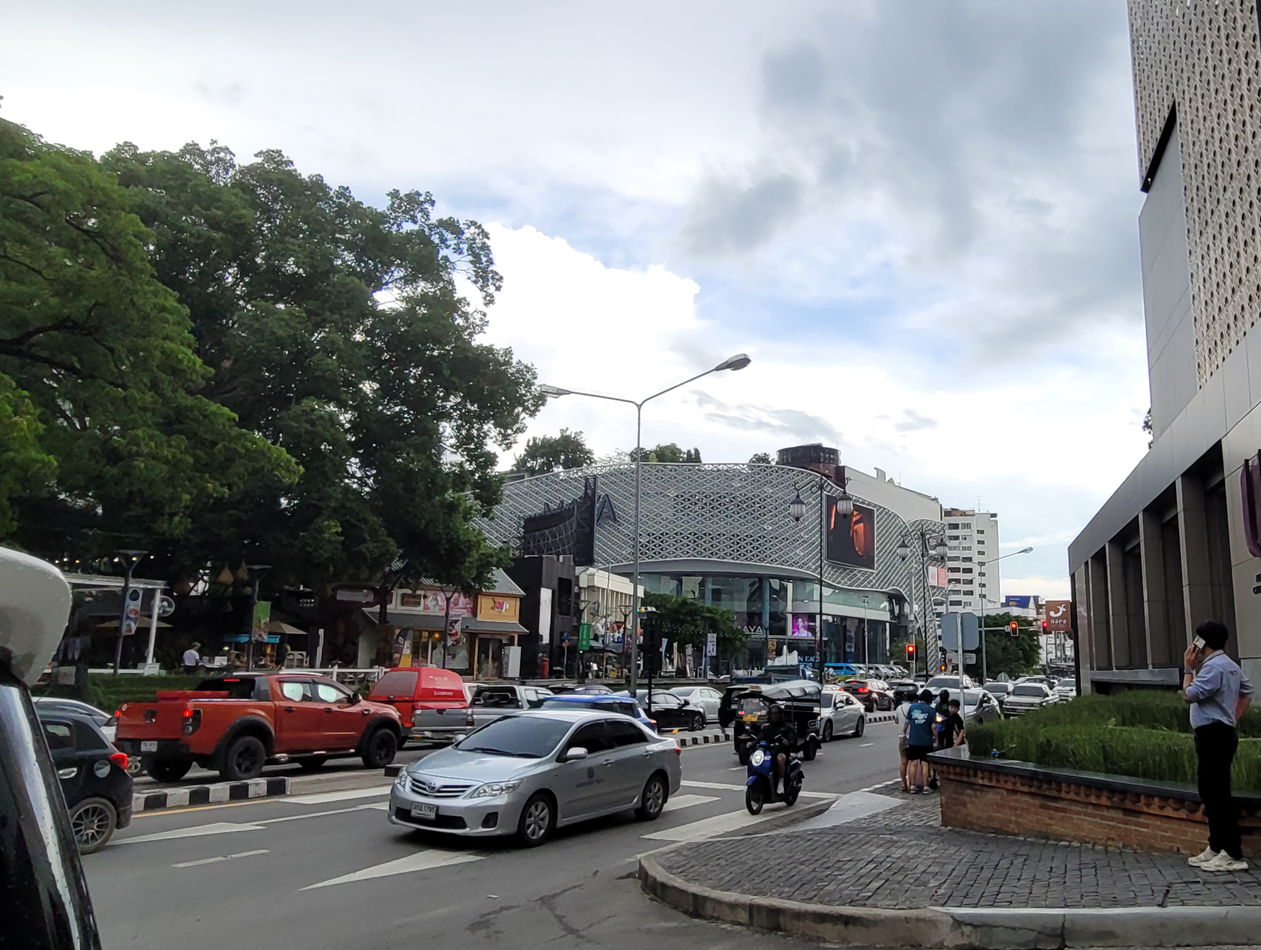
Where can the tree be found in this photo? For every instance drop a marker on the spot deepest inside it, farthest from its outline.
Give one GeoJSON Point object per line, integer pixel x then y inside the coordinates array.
{"type": "Point", "coordinates": [337, 331]}
{"type": "Point", "coordinates": [1015, 656]}
{"type": "Point", "coordinates": [109, 437]}
{"type": "Point", "coordinates": [688, 622]}
{"type": "Point", "coordinates": [761, 458]}
{"type": "Point", "coordinates": [550, 453]}
{"type": "Point", "coordinates": [670, 452]}
{"type": "Point", "coordinates": [1147, 427]}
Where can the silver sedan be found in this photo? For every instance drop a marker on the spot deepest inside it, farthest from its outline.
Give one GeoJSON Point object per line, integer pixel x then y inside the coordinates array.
{"type": "Point", "coordinates": [530, 774]}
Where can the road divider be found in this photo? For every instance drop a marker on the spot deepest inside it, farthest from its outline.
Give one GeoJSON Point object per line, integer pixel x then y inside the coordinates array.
{"type": "Point", "coordinates": [218, 793]}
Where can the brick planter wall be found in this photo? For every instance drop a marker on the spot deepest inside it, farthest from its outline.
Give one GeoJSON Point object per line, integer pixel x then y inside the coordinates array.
{"type": "Point", "coordinates": [1018, 798]}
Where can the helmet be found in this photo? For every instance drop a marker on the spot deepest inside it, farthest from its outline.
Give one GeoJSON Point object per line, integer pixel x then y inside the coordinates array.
{"type": "Point", "coordinates": [775, 713]}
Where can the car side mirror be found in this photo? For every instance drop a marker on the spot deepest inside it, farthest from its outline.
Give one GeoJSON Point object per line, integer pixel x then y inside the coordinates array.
{"type": "Point", "coordinates": [577, 753]}
{"type": "Point", "coordinates": [355, 699]}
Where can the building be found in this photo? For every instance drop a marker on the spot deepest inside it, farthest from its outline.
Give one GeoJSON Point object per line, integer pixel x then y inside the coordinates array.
{"type": "Point", "coordinates": [725, 534]}
{"type": "Point", "coordinates": [1179, 540]}
{"type": "Point", "coordinates": [972, 568]}
{"type": "Point", "coordinates": [549, 612]}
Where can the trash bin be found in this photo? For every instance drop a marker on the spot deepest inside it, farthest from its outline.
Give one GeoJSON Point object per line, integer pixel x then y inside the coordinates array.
{"type": "Point", "coordinates": [544, 664]}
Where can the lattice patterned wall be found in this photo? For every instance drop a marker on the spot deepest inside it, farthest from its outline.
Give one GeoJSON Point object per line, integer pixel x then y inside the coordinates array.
{"type": "Point", "coordinates": [1203, 56]}
{"type": "Point", "coordinates": [725, 512]}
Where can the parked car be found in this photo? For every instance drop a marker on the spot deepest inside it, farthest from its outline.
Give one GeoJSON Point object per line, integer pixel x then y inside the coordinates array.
{"type": "Point", "coordinates": [1066, 689]}
{"type": "Point", "coordinates": [236, 724]}
{"type": "Point", "coordinates": [530, 774]}
{"type": "Point", "coordinates": [623, 705]}
{"type": "Point", "coordinates": [999, 691]}
{"type": "Point", "coordinates": [979, 706]}
{"type": "Point", "coordinates": [44, 900]}
{"type": "Point", "coordinates": [496, 700]}
{"type": "Point", "coordinates": [93, 775]}
{"type": "Point", "coordinates": [430, 701]}
{"type": "Point", "coordinates": [873, 694]}
{"type": "Point", "coordinates": [670, 711]}
{"type": "Point", "coordinates": [1026, 696]}
{"type": "Point", "coordinates": [706, 697]}
{"type": "Point", "coordinates": [841, 714]}
{"type": "Point", "coordinates": [107, 722]}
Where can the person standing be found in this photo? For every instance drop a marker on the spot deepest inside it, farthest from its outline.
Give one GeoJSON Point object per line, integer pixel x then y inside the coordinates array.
{"type": "Point", "coordinates": [920, 719]}
{"type": "Point", "coordinates": [1218, 694]}
{"type": "Point", "coordinates": [900, 717]}
{"type": "Point", "coordinates": [192, 659]}
{"type": "Point", "coordinates": [953, 730]}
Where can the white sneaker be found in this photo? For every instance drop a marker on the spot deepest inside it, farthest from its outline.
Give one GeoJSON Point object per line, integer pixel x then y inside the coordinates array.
{"type": "Point", "coordinates": [1203, 858]}
{"type": "Point", "coordinates": [1224, 862]}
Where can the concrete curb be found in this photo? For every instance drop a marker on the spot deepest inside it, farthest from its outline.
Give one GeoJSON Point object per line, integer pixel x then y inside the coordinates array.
{"type": "Point", "coordinates": [209, 794]}
{"type": "Point", "coordinates": [702, 738]}
{"type": "Point", "coordinates": [873, 718]}
{"type": "Point", "coordinates": [955, 928]}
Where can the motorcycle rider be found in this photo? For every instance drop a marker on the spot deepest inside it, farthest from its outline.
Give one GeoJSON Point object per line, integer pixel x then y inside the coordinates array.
{"type": "Point", "coordinates": [780, 735]}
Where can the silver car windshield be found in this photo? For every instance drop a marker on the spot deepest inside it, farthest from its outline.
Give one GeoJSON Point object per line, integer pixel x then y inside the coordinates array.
{"type": "Point", "coordinates": [522, 737]}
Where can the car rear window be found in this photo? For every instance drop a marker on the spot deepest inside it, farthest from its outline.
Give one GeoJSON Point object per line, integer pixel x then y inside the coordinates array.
{"type": "Point", "coordinates": [236, 687]}
{"type": "Point", "coordinates": [1072, 683]}
{"type": "Point", "coordinates": [1028, 691]}
{"type": "Point", "coordinates": [396, 683]}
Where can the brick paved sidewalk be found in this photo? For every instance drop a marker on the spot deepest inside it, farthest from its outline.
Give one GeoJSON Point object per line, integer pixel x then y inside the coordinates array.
{"type": "Point", "coordinates": [902, 859]}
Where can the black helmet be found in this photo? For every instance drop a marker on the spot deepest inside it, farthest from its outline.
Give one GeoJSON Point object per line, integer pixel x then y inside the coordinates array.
{"type": "Point", "coordinates": [771, 713]}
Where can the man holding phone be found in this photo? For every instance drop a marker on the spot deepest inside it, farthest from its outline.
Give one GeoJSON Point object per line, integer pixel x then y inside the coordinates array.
{"type": "Point", "coordinates": [1218, 693]}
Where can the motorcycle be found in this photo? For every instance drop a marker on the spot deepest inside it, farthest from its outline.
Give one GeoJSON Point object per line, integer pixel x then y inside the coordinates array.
{"type": "Point", "coordinates": [760, 784]}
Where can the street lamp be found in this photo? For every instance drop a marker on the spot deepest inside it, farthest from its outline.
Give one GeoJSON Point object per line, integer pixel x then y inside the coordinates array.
{"type": "Point", "coordinates": [929, 546]}
{"type": "Point", "coordinates": [130, 559]}
{"type": "Point", "coordinates": [737, 362]}
{"type": "Point", "coordinates": [256, 574]}
{"type": "Point", "coordinates": [797, 509]}
{"type": "Point", "coordinates": [1001, 557]}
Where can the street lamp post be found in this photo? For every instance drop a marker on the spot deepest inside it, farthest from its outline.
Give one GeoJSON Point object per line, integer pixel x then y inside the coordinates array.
{"type": "Point", "coordinates": [737, 362]}
{"type": "Point", "coordinates": [980, 564]}
{"type": "Point", "coordinates": [256, 574]}
{"type": "Point", "coordinates": [130, 559]}
{"type": "Point", "coordinates": [939, 550]}
{"type": "Point", "coordinates": [797, 509]}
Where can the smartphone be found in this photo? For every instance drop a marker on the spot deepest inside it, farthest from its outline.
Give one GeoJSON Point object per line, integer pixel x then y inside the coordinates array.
{"type": "Point", "coordinates": [1198, 643]}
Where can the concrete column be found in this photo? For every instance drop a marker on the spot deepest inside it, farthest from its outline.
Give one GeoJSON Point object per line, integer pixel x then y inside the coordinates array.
{"type": "Point", "coordinates": [1197, 584]}
{"type": "Point", "coordinates": [1155, 600]}
{"type": "Point", "coordinates": [1100, 646]}
{"type": "Point", "coordinates": [1118, 617]}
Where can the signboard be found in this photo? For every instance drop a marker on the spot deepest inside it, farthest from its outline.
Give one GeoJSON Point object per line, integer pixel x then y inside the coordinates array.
{"type": "Point", "coordinates": [711, 645]}
{"type": "Point", "coordinates": [545, 615]}
{"type": "Point", "coordinates": [969, 658]}
{"type": "Point", "coordinates": [131, 611]}
{"type": "Point", "coordinates": [960, 625]}
{"type": "Point", "coordinates": [851, 540]}
{"type": "Point", "coordinates": [166, 606]}
{"type": "Point", "coordinates": [1059, 616]}
{"type": "Point", "coordinates": [584, 636]}
{"type": "Point", "coordinates": [435, 602]}
{"type": "Point", "coordinates": [512, 662]}
{"type": "Point", "coordinates": [262, 616]}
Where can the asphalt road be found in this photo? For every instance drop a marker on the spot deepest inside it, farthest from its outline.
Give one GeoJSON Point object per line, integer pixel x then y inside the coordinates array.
{"type": "Point", "coordinates": [324, 869]}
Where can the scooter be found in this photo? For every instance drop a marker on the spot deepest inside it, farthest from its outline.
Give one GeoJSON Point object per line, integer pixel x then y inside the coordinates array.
{"type": "Point", "coordinates": [760, 785]}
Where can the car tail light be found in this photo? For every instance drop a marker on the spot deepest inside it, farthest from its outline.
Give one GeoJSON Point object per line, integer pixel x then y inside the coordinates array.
{"type": "Point", "coordinates": [654, 724]}
{"type": "Point", "coordinates": [677, 750]}
{"type": "Point", "coordinates": [468, 715]}
{"type": "Point", "coordinates": [119, 759]}
{"type": "Point", "coordinates": [192, 721]}
{"type": "Point", "coordinates": [863, 689]}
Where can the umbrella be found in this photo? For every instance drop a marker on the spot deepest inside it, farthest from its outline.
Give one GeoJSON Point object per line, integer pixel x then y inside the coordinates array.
{"type": "Point", "coordinates": [140, 622]}
{"type": "Point", "coordinates": [277, 626]}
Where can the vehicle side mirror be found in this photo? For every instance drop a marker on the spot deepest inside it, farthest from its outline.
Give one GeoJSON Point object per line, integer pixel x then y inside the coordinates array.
{"type": "Point", "coordinates": [355, 699]}
{"type": "Point", "coordinates": [577, 753]}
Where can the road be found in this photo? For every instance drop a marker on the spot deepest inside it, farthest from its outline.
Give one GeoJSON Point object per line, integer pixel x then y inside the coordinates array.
{"type": "Point", "coordinates": [324, 869]}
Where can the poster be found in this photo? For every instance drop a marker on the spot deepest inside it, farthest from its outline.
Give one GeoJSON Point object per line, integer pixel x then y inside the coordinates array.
{"type": "Point", "coordinates": [545, 615]}
{"type": "Point", "coordinates": [262, 616]}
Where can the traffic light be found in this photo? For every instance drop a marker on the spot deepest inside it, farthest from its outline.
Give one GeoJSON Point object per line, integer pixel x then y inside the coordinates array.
{"type": "Point", "coordinates": [910, 651]}
{"type": "Point", "coordinates": [1045, 626]}
{"type": "Point", "coordinates": [650, 624]}
{"type": "Point", "coordinates": [1013, 629]}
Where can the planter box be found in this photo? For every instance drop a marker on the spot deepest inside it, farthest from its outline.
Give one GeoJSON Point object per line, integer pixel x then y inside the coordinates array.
{"type": "Point", "coordinates": [1019, 798]}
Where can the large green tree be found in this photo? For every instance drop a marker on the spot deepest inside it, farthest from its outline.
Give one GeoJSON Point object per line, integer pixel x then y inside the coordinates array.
{"type": "Point", "coordinates": [339, 332]}
{"type": "Point", "coordinates": [688, 622]}
{"type": "Point", "coordinates": [106, 435]}
{"type": "Point", "coordinates": [1015, 656]}
{"type": "Point", "coordinates": [550, 453]}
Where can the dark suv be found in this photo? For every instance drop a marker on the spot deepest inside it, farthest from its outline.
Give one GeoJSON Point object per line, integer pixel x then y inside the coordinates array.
{"type": "Point", "coordinates": [93, 776]}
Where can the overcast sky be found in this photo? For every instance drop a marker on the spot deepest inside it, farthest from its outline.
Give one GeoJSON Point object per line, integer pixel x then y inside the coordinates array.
{"type": "Point", "coordinates": [919, 218]}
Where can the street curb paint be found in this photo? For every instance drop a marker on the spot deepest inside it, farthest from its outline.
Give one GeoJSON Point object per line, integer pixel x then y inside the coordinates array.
{"type": "Point", "coordinates": [214, 794]}
{"type": "Point", "coordinates": [940, 928]}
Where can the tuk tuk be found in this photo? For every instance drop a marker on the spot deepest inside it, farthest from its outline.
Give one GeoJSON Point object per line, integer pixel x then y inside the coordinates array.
{"type": "Point", "coordinates": [750, 707]}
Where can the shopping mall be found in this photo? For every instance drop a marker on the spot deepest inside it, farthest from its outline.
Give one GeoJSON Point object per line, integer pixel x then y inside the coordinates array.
{"type": "Point", "coordinates": [730, 535]}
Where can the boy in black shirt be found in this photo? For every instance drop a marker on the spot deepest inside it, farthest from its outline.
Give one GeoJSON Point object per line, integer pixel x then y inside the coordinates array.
{"type": "Point", "coordinates": [953, 731]}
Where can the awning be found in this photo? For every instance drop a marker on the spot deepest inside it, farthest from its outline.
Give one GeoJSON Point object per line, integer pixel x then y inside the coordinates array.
{"type": "Point", "coordinates": [407, 621]}
{"type": "Point", "coordinates": [473, 625]}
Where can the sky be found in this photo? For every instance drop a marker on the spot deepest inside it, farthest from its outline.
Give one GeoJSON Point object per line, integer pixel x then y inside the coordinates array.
{"type": "Point", "coordinates": [918, 217]}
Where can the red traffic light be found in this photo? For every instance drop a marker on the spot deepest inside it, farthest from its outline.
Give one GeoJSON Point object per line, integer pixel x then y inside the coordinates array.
{"type": "Point", "coordinates": [910, 649]}
{"type": "Point", "coordinates": [1045, 626]}
{"type": "Point", "coordinates": [1013, 629]}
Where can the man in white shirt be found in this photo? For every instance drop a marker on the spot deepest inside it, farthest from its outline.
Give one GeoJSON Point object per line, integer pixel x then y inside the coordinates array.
{"type": "Point", "coordinates": [899, 717]}
{"type": "Point", "coordinates": [192, 659]}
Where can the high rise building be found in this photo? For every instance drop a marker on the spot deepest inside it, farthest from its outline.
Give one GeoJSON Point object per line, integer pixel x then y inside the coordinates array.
{"type": "Point", "coordinates": [971, 565]}
{"type": "Point", "coordinates": [1178, 541]}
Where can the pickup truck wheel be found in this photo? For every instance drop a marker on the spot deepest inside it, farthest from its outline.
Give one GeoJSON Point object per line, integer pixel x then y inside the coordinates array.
{"type": "Point", "coordinates": [166, 770]}
{"type": "Point", "coordinates": [244, 760]}
{"type": "Point", "coordinates": [312, 762]}
{"type": "Point", "coordinates": [380, 750]}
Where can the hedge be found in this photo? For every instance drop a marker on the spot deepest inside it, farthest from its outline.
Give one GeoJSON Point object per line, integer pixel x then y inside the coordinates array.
{"type": "Point", "coordinates": [109, 692]}
{"type": "Point", "coordinates": [1144, 735]}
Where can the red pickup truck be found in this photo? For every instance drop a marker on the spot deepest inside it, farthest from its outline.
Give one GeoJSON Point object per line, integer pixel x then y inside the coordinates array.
{"type": "Point", "coordinates": [237, 724]}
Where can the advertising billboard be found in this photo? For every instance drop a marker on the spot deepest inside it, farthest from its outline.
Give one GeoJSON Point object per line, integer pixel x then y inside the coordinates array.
{"type": "Point", "coordinates": [851, 541]}
{"type": "Point", "coordinates": [1059, 616]}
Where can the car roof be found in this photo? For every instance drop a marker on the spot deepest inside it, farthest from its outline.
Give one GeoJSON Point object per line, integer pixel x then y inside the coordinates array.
{"type": "Point", "coordinates": [47, 713]}
{"type": "Point", "coordinates": [566, 715]}
{"type": "Point", "coordinates": [588, 698]}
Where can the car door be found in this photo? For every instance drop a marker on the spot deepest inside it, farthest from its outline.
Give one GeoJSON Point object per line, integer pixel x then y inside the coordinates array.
{"type": "Point", "coordinates": [340, 722]}
{"type": "Point", "coordinates": [586, 787]}
{"type": "Point", "coordinates": [668, 710]}
{"type": "Point", "coordinates": [298, 717]}
{"type": "Point", "coordinates": [71, 764]}
{"type": "Point", "coordinates": [632, 761]}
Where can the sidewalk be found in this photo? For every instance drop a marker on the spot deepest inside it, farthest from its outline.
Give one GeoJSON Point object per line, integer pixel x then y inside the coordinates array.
{"type": "Point", "coordinates": [898, 878]}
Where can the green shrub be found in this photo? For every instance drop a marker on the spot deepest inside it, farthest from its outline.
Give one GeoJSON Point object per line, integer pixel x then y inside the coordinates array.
{"type": "Point", "coordinates": [109, 692]}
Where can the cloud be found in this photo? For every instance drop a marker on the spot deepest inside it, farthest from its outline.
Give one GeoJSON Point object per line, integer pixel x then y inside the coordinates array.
{"type": "Point", "coordinates": [912, 421]}
{"type": "Point", "coordinates": [733, 218]}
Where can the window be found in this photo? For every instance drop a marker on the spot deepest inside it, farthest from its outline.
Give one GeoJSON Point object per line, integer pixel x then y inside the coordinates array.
{"type": "Point", "coordinates": [628, 709]}
{"type": "Point", "coordinates": [497, 697]}
{"type": "Point", "coordinates": [328, 693]}
{"type": "Point", "coordinates": [237, 687]}
{"type": "Point", "coordinates": [59, 735]}
{"type": "Point", "coordinates": [593, 737]}
{"type": "Point", "coordinates": [295, 691]}
{"type": "Point", "coordinates": [397, 683]}
{"type": "Point", "coordinates": [528, 737]}
{"type": "Point", "coordinates": [953, 527]}
{"type": "Point", "coordinates": [956, 603]}
{"type": "Point", "coordinates": [966, 570]}
{"type": "Point", "coordinates": [980, 530]}
{"type": "Point", "coordinates": [626, 733]}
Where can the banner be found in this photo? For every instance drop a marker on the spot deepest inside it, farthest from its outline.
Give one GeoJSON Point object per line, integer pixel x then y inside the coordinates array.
{"type": "Point", "coordinates": [262, 616]}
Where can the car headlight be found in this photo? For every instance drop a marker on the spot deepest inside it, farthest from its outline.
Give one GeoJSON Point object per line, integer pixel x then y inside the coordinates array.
{"type": "Point", "coordinates": [400, 780]}
{"type": "Point", "coordinates": [494, 789]}
{"type": "Point", "coordinates": [758, 757]}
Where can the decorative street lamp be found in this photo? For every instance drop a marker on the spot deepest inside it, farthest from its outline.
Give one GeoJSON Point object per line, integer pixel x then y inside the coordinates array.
{"type": "Point", "coordinates": [130, 559]}
{"type": "Point", "coordinates": [930, 547]}
{"type": "Point", "coordinates": [797, 509]}
{"type": "Point", "coordinates": [737, 362]}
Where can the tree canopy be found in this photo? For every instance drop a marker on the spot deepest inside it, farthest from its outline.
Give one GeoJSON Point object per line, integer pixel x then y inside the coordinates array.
{"type": "Point", "coordinates": [1015, 656]}
{"type": "Point", "coordinates": [670, 452]}
{"type": "Point", "coordinates": [551, 453]}
{"type": "Point", "coordinates": [761, 458]}
{"type": "Point", "coordinates": [688, 622]}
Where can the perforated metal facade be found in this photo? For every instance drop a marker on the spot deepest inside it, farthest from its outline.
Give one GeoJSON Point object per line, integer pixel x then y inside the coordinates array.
{"type": "Point", "coordinates": [731, 513]}
{"type": "Point", "coordinates": [1200, 60]}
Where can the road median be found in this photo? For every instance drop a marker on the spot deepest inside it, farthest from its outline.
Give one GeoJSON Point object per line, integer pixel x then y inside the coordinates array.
{"type": "Point", "coordinates": [216, 793]}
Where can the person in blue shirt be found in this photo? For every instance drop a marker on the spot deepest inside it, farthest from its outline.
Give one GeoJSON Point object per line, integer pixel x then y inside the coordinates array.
{"type": "Point", "coordinates": [1218, 693]}
{"type": "Point", "coordinates": [918, 728]}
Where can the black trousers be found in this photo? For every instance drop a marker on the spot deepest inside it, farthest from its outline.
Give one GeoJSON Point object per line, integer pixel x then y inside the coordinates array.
{"type": "Point", "coordinates": [1215, 746]}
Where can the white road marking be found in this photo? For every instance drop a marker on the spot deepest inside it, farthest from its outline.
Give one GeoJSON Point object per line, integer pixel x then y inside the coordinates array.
{"type": "Point", "coordinates": [420, 861]}
{"type": "Point", "coordinates": [740, 788]}
{"type": "Point", "coordinates": [227, 857]}
{"type": "Point", "coordinates": [375, 806]}
{"type": "Point", "coordinates": [708, 827]}
{"type": "Point", "coordinates": [321, 814]}
{"type": "Point", "coordinates": [687, 801]}
{"type": "Point", "coordinates": [325, 797]}
{"type": "Point", "coordinates": [865, 744]}
{"type": "Point", "coordinates": [849, 808]}
{"type": "Point", "coordinates": [214, 828]}
{"type": "Point", "coordinates": [888, 784]}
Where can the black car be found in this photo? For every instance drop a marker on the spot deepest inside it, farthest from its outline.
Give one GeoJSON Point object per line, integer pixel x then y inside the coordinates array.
{"type": "Point", "coordinates": [670, 711]}
{"type": "Point", "coordinates": [93, 776]}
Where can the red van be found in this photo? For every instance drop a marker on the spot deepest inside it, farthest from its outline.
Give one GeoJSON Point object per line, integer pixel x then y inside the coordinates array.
{"type": "Point", "coordinates": [430, 700]}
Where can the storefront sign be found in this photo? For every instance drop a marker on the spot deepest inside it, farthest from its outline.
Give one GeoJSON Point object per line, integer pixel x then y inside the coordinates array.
{"type": "Point", "coordinates": [435, 602]}
{"type": "Point", "coordinates": [584, 636]}
{"type": "Point", "coordinates": [1059, 616]}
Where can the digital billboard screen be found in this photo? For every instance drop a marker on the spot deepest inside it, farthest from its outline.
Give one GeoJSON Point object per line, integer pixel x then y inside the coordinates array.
{"type": "Point", "coordinates": [852, 540]}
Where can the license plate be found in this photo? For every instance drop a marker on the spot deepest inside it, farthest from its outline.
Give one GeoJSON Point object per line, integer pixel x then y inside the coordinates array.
{"type": "Point", "coordinates": [149, 746]}
{"type": "Point", "coordinates": [421, 810]}
{"type": "Point", "coordinates": [749, 717]}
